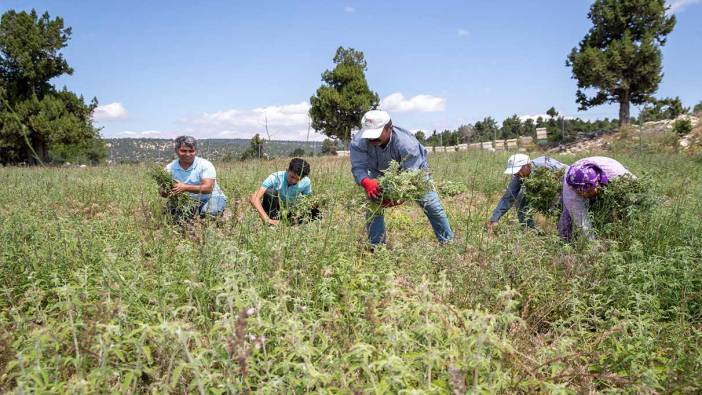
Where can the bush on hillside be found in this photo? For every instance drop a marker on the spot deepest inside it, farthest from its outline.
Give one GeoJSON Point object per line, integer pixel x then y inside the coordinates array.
{"type": "Point", "coordinates": [682, 127]}
{"type": "Point", "coordinates": [668, 108]}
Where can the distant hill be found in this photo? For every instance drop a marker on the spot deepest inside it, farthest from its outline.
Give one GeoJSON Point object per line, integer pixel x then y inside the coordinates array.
{"type": "Point", "coordinates": [130, 150]}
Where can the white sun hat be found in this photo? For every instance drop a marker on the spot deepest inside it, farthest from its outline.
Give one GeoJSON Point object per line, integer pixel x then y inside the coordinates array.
{"type": "Point", "coordinates": [373, 123]}
{"type": "Point", "coordinates": [515, 163]}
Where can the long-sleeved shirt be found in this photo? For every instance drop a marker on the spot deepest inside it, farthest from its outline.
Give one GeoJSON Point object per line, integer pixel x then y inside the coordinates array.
{"type": "Point", "coordinates": [577, 205]}
{"type": "Point", "coordinates": [368, 160]}
{"type": "Point", "coordinates": [515, 186]}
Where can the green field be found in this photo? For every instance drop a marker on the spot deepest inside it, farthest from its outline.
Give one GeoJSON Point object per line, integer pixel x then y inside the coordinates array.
{"type": "Point", "coordinates": [98, 294]}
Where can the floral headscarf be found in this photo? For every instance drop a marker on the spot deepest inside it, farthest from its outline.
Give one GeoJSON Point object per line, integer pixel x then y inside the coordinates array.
{"type": "Point", "coordinates": [585, 177]}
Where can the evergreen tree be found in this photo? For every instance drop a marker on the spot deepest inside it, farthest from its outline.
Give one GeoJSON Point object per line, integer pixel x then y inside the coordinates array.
{"type": "Point", "coordinates": [620, 57]}
{"type": "Point", "coordinates": [339, 104]}
{"type": "Point", "coordinates": [421, 137]}
{"type": "Point", "coordinates": [328, 147]}
{"type": "Point", "coordinates": [37, 121]}
{"type": "Point", "coordinates": [256, 149]}
{"type": "Point", "coordinates": [667, 108]}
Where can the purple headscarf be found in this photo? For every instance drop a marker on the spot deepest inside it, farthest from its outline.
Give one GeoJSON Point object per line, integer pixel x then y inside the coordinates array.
{"type": "Point", "coordinates": [585, 177]}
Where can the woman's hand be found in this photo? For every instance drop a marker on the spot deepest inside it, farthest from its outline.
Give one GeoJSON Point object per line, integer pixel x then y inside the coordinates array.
{"type": "Point", "coordinates": [272, 222]}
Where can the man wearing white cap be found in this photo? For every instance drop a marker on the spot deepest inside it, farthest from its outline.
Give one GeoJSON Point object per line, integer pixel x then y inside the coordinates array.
{"type": "Point", "coordinates": [372, 149]}
{"type": "Point", "coordinates": [519, 166]}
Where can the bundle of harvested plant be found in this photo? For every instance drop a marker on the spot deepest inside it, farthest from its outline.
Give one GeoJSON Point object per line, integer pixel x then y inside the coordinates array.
{"type": "Point", "coordinates": [542, 190]}
{"type": "Point", "coordinates": [398, 184]}
{"type": "Point", "coordinates": [622, 200]}
{"type": "Point", "coordinates": [178, 203]}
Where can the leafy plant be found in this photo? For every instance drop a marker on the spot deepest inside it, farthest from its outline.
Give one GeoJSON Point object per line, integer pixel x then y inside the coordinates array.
{"type": "Point", "coordinates": [451, 188]}
{"type": "Point", "coordinates": [304, 207]}
{"type": "Point", "coordinates": [100, 295]}
{"type": "Point", "coordinates": [622, 201]}
{"type": "Point", "coordinates": [402, 185]}
{"type": "Point", "coordinates": [542, 189]}
{"type": "Point", "coordinates": [181, 203]}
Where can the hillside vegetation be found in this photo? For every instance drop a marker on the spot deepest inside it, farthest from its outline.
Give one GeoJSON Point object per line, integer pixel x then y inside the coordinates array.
{"type": "Point", "coordinates": [99, 294]}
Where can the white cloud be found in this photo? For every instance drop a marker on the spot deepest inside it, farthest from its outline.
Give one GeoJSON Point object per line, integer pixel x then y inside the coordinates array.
{"type": "Point", "coordinates": [349, 10]}
{"type": "Point", "coordinates": [110, 112]}
{"type": "Point", "coordinates": [421, 103]}
{"type": "Point", "coordinates": [141, 134]}
{"type": "Point", "coordinates": [285, 122]}
{"type": "Point", "coordinates": [461, 32]}
{"type": "Point", "coordinates": [679, 5]}
{"type": "Point", "coordinates": [533, 117]}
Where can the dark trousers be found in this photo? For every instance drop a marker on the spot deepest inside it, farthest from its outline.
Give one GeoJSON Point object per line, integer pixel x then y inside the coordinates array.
{"type": "Point", "coordinates": [274, 207]}
{"type": "Point", "coordinates": [271, 203]}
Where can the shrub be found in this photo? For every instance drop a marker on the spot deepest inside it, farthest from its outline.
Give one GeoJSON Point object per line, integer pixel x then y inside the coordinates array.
{"type": "Point", "coordinates": [668, 108]}
{"type": "Point", "coordinates": [682, 127]}
{"type": "Point", "coordinates": [451, 188]}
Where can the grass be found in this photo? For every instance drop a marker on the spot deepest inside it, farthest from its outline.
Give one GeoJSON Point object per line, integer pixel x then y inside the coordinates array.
{"type": "Point", "coordinates": [99, 294]}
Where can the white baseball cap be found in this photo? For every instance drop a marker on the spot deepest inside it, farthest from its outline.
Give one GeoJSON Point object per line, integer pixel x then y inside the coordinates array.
{"type": "Point", "coordinates": [515, 163]}
{"type": "Point", "coordinates": [373, 123]}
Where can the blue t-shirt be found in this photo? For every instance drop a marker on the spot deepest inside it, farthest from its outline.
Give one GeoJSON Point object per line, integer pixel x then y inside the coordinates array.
{"type": "Point", "coordinates": [278, 181]}
{"type": "Point", "coordinates": [201, 168]}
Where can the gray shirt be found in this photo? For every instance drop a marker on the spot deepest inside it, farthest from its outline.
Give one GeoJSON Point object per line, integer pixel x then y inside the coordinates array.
{"type": "Point", "coordinates": [368, 160]}
{"type": "Point", "coordinates": [515, 186]}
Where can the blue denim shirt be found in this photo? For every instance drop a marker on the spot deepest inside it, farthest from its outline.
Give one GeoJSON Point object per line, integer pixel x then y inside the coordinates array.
{"type": "Point", "coordinates": [515, 186]}
{"type": "Point", "coordinates": [368, 160]}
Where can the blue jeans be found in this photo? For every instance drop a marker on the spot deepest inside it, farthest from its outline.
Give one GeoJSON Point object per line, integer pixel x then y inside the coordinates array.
{"type": "Point", "coordinates": [214, 206]}
{"type": "Point", "coordinates": [430, 204]}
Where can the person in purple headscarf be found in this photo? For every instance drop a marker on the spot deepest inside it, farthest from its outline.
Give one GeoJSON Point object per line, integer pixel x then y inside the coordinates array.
{"type": "Point", "coordinates": [581, 183]}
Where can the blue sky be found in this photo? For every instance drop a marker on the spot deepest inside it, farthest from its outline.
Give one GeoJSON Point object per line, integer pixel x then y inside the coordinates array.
{"type": "Point", "coordinates": [220, 68]}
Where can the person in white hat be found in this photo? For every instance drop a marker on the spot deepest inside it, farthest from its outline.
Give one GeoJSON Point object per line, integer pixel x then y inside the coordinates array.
{"type": "Point", "coordinates": [372, 148]}
{"type": "Point", "coordinates": [519, 166]}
